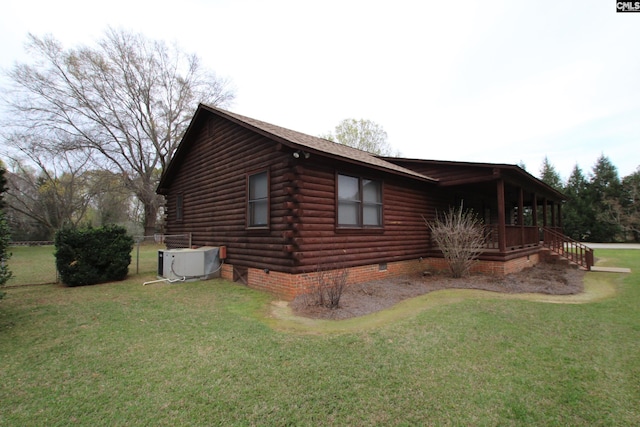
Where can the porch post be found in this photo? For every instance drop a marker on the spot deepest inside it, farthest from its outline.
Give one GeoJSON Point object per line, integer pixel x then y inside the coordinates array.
{"type": "Point", "coordinates": [534, 209]}
{"type": "Point", "coordinates": [553, 214]}
{"type": "Point", "coordinates": [544, 212]}
{"type": "Point", "coordinates": [559, 214]}
{"type": "Point", "coordinates": [521, 215]}
{"type": "Point", "coordinates": [502, 229]}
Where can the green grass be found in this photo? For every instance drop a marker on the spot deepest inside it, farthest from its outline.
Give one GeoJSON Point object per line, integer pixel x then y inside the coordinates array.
{"type": "Point", "coordinates": [36, 265]}
{"type": "Point", "coordinates": [32, 265]}
{"type": "Point", "coordinates": [208, 353]}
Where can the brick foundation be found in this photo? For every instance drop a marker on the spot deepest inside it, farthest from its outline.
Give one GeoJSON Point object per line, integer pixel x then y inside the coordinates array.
{"type": "Point", "coordinates": [498, 268]}
{"type": "Point", "coordinates": [288, 286]}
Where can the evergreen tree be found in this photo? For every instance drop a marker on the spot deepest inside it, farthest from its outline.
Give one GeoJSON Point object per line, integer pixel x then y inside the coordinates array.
{"type": "Point", "coordinates": [5, 273]}
{"type": "Point", "coordinates": [577, 213]}
{"type": "Point", "coordinates": [630, 204]}
{"type": "Point", "coordinates": [604, 195]}
{"type": "Point", "coordinates": [549, 175]}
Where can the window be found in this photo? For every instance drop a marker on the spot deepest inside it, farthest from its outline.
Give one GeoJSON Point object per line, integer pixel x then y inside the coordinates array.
{"type": "Point", "coordinates": [359, 202]}
{"type": "Point", "coordinates": [258, 200]}
{"type": "Point", "coordinates": [371, 203]}
{"type": "Point", "coordinates": [179, 207]}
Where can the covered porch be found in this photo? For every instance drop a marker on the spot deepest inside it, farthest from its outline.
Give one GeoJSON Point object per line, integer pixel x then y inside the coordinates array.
{"type": "Point", "coordinates": [521, 214]}
{"type": "Point", "coordinates": [513, 205]}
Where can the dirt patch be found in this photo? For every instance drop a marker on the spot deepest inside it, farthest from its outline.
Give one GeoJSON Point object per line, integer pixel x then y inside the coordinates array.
{"type": "Point", "coordinates": [361, 299]}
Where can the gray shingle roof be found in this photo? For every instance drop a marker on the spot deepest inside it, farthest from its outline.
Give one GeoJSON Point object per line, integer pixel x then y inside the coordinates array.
{"type": "Point", "coordinates": [316, 145]}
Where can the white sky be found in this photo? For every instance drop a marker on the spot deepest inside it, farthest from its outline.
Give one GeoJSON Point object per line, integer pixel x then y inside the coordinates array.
{"type": "Point", "coordinates": [487, 81]}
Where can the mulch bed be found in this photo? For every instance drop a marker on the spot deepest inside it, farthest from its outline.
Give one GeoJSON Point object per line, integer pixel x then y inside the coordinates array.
{"type": "Point", "coordinates": [369, 297]}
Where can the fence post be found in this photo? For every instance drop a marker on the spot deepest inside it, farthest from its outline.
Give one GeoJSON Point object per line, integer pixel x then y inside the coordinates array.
{"type": "Point", "coordinates": [138, 257]}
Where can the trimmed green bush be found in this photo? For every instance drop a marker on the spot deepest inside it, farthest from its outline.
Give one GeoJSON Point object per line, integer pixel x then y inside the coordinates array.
{"type": "Point", "coordinates": [93, 255]}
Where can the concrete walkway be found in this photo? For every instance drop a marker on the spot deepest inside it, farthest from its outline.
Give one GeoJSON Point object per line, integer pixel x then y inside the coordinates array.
{"type": "Point", "coordinates": [612, 246]}
{"type": "Point", "coordinates": [611, 269]}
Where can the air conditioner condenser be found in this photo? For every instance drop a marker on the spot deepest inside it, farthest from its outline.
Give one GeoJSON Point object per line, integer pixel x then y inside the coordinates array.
{"type": "Point", "coordinates": [189, 264]}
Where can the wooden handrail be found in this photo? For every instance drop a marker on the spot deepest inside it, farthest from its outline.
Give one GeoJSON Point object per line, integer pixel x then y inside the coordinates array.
{"type": "Point", "coordinates": [515, 236]}
{"type": "Point", "coordinates": [568, 248]}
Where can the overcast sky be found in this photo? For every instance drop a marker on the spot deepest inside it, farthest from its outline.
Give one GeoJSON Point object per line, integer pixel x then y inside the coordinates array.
{"type": "Point", "coordinates": [486, 81]}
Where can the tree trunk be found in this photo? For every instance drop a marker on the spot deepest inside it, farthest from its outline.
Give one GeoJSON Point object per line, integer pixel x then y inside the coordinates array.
{"type": "Point", "coordinates": [150, 219]}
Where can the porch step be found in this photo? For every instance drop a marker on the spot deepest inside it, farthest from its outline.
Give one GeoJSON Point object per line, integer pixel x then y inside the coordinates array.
{"type": "Point", "coordinates": [550, 257]}
{"type": "Point", "coordinates": [566, 247]}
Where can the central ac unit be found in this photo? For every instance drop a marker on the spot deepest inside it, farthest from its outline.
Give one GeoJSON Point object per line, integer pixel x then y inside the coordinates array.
{"type": "Point", "coordinates": [189, 264]}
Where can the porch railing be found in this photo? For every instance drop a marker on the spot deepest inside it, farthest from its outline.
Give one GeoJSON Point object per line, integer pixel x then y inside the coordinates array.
{"type": "Point", "coordinates": [515, 237]}
{"type": "Point", "coordinates": [567, 247]}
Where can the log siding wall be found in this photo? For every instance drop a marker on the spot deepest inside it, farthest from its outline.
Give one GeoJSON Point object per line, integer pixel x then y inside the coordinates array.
{"type": "Point", "coordinates": [302, 235]}
{"type": "Point", "coordinates": [317, 240]}
{"type": "Point", "coordinates": [213, 180]}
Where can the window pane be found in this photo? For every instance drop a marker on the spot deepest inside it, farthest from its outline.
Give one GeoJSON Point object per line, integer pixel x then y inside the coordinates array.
{"type": "Point", "coordinates": [179, 207]}
{"type": "Point", "coordinates": [372, 215]}
{"type": "Point", "coordinates": [348, 188]}
{"type": "Point", "coordinates": [371, 191]}
{"type": "Point", "coordinates": [348, 213]}
{"type": "Point", "coordinates": [258, 186]}
{"type": "Point", "coordinates": [258, 213]}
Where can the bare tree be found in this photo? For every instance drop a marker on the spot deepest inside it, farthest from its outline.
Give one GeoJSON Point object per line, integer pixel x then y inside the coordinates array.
{"type": "Point", "coordinates": [128, 100]}
{"type": "Point", "coordinates": [50, 187]}
{"type": "Point", "coordinates": [111, 201]}
{"type": "Point", "coordinates": [361, 134]}
{"type": "Point", "coordinates": [460, 236]}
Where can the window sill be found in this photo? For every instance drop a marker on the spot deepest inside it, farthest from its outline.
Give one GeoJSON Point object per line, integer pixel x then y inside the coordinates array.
{"type": "Point", "coordinates": [258, 229]}
{"type": "Point", "coordinates": [360, 230]}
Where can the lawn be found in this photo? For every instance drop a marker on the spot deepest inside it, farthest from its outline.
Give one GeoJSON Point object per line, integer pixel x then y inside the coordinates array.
{"type": "Point", "coordinates": [32, 265]}
{"type": "Point", "coordinates": [208, 353]}
{"type": "Point", "coordinates": [36, 265]}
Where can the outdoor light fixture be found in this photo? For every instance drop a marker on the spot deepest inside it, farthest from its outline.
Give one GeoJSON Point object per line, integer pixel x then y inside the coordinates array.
{"type": "Point", "coordinates": [296, 154]}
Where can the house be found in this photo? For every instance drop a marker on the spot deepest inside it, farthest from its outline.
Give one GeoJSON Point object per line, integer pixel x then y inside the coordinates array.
{"type": "Point", "coordinates": [286, 205]}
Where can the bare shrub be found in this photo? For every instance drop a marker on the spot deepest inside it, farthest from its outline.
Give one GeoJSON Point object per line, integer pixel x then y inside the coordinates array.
{"type": "Point", "coordinates": [328, 288]}
{"type": "Point", "coordinates": [460, 236]}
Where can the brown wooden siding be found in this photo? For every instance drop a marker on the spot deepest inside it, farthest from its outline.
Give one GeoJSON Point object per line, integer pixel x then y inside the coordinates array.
{"type": "Point", "coordinates": [317, 242]}
{"type": "Point", "coordinates": [302, 234]}
{"type": "Point", "coordinates": [212, 179]}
